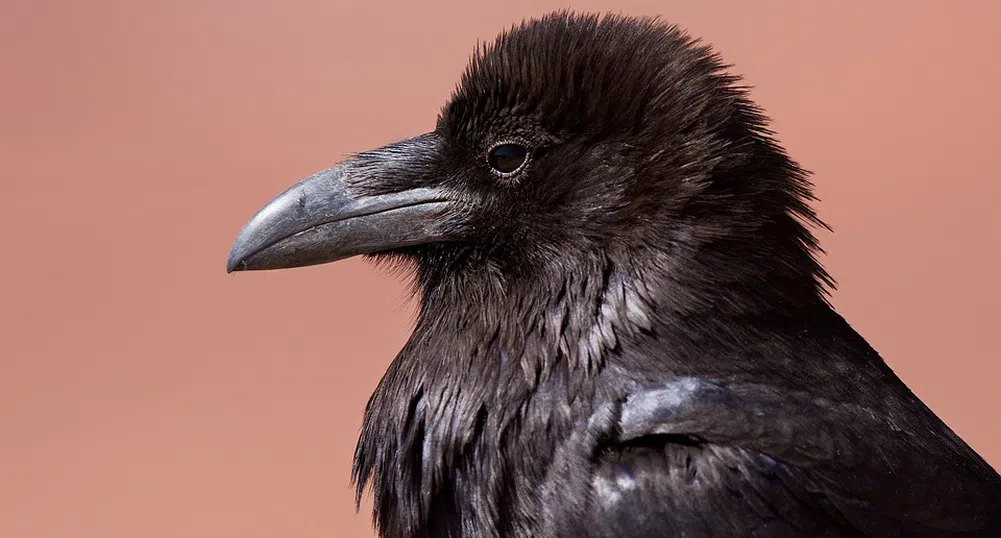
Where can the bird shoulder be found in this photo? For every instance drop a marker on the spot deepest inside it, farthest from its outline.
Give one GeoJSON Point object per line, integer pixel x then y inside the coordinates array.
{"type": "Point", "coordinates": [664, 460]}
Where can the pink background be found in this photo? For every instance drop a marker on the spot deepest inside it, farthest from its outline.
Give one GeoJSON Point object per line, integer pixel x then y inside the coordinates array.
{"type": "Point", "coordinates": [145, 393]}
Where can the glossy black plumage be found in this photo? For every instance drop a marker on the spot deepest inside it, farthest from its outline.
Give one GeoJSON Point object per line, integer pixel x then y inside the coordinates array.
{"type": "Point", "coordinates": [629, 336]}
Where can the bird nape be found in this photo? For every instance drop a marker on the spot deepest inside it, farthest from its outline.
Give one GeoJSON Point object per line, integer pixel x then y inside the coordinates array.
{"type": "Point", "coordinates": [623, 327]}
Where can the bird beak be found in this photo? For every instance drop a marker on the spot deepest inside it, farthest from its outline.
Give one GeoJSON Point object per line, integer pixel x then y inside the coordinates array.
{"type": "Point", "coordinates": [326, 217]}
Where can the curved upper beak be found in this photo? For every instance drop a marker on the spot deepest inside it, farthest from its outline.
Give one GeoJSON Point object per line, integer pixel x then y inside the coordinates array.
{"type": "Point", "coordinates": [326, 217]}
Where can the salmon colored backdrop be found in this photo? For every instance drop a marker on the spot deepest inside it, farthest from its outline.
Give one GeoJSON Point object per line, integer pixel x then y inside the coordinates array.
{"type": "Point", "coordinates": [145, 393]}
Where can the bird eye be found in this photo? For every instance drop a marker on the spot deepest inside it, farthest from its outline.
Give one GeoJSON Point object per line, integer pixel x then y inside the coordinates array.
{"type": "Point", "coordinates": [507, 158]}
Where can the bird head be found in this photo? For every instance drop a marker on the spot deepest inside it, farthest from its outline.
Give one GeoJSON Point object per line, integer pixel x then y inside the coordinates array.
{"type": "Point", "coordinates": [570, 139]}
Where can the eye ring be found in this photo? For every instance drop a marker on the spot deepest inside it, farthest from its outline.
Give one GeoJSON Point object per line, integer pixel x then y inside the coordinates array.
{"type": "Point", "coordinates": [509, 157]}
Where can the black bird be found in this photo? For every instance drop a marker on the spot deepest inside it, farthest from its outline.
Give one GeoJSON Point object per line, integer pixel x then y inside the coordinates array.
{"type": "Point", "coordinates": [624, 330]}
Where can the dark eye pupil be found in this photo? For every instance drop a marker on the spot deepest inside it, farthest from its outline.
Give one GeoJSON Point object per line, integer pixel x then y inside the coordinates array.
{"type": "Point", "coordinates": [507, 158]}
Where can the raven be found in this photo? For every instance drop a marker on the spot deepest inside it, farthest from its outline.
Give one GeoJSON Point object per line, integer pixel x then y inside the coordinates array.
{"type": "Point", "coordinates": [624, 329]}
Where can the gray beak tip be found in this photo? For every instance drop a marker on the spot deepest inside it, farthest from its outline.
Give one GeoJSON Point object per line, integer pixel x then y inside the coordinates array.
{"type": "Point", "coordinates": [232, 265]}
{"type": "Point", "coordinates": [238, 253]}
